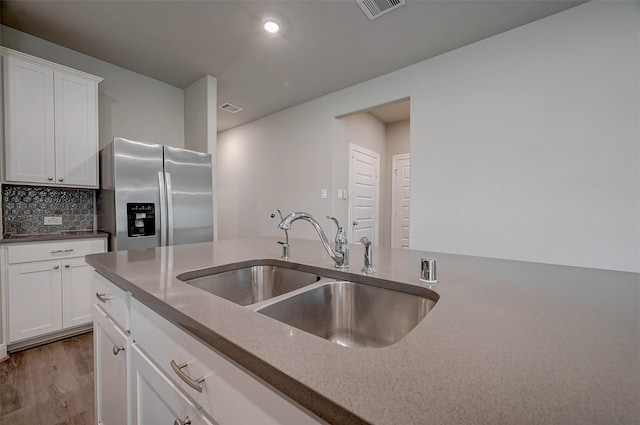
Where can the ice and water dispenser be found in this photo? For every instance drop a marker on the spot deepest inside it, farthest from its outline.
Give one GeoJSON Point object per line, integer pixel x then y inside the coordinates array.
{"type": "Point", "coordinates": [141, 219]}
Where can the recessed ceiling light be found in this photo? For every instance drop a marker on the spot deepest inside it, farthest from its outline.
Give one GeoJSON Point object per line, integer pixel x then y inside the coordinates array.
{"type": "Point", "coordinates": [271, 25]}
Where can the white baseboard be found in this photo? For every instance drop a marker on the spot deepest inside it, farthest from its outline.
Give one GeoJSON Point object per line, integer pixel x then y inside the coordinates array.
{"type": "Point", "coordinates": [3, 352]}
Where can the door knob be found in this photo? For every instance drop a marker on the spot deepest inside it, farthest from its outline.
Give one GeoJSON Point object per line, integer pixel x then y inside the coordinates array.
{"type": "Point", "coordinates": [60, 179]}
{"type": "Point", "coordinates": [49, 178]}
{"type": "Point", "coordinates": [56, 267]}
{"type": "Point", "coordinates": [116, 350]}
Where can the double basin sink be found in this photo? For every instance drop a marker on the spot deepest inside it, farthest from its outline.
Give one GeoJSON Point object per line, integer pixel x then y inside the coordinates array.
{"type": "Point", "coordinates": [369, 313]}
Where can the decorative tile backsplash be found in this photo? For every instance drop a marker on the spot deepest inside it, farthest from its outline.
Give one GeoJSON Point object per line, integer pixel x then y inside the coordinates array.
{"type": "Point", "coordinates": [25, 207]}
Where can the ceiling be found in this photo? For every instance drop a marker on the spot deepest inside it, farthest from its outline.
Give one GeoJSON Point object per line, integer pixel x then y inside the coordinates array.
{"type": "Point", "coordinates": [392, 113]}
{"type": "Point", "coordinates": [324, 45]}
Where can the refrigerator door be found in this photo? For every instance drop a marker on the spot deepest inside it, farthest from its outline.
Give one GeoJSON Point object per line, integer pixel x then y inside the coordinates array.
{"type": "Point", "coordinates": [136, 170]}
{"type": "Point", "coordinates": [189, 196]}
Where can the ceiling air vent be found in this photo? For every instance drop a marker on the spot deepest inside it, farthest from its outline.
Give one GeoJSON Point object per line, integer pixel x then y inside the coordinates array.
{"type": "Point", "coordinates": [230, 108]}
{"type": "Point", "coordinates": [376, 8]}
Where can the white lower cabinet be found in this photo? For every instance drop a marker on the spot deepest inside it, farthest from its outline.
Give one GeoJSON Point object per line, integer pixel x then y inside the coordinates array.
{"type": "Point", "coordinates": [111, 346]}
{"type": "Point", "coordinates": [77, 293]}
{"type": "Point", "coordinates": [35, 299]}
{"type": "Point", "coordinates": [165, 376]}
{"type": "Point", "coordinates": [226, 393]}
{"type": "Point", "coordinates": [48, 287]}
{"type": "Point", "coordinates": [157, 400]}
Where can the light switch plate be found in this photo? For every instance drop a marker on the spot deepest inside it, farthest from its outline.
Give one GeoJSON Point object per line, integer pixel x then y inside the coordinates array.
{"type": "Point", "coordinates": [52, 221]}
{"type": "Point", "coordinates": [323, 194]}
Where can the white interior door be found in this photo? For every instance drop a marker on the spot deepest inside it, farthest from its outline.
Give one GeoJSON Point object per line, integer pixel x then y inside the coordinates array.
{"type": "Point", "coordinates": [400, 199]}
{"type": "Point", "coordinates": [364, 183]}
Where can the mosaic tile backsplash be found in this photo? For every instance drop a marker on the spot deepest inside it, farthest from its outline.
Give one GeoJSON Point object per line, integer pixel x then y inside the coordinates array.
{"type": "Point", "coordinates": [25, 207]}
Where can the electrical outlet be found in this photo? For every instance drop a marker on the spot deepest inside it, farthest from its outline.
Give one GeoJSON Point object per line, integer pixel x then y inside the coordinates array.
{"type": "Point", "coordinates": [52, 221]}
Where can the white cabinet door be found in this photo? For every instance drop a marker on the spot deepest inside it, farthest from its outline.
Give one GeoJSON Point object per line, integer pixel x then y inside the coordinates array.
{"type": "Point", "coordinates": [29, 121]}
{"type": "Point", "coordinates": [156, 400]}
{"type": "Point", "coordinates": [77, 293]}
{"type": "Point", "coordinates": [51, 120]}
{"type": "Point", "coordinates": [76, 130]}
{"type": "Point", "coordinates": [110, 369]}
{"type": "Point", "coordinates": [35, 299]}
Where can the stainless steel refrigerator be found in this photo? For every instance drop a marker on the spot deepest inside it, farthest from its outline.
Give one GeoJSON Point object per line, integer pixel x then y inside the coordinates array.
{"type": "Point", "coordinates": [153, 195]}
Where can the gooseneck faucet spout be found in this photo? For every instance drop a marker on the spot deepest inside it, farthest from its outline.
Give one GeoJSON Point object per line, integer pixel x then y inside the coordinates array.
{"type": "Point", "coordinates": [338, 255]}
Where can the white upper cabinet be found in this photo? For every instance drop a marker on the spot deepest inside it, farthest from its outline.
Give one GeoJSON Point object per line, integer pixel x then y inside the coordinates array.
{"type": "Point", "coordinates": [51, 122]}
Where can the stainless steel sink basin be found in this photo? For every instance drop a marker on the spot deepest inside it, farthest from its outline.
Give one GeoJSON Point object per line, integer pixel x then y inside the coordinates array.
{"type": "Point", "coordinates": [352, 314]}
{"type": "Point", "coordinates": [253, 284]}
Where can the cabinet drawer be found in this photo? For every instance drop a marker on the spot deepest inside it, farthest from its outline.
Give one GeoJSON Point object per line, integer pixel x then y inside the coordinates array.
{"type": "Point", "coordinates": [38, 251]}
{"type": "Point", "coordinates": [113, 300]}
{"type": "Point", "coordinates": [156, 400]}
{"type": "Point", "coordinates": [230, 395]}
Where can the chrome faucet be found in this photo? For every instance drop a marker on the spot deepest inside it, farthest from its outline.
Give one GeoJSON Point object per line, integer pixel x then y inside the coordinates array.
{"type": "Point", "coordinates": [286, 249]}
{"type": "Point", "coordinates": [368, 256]}
{"type": "Point", "coordinates": [340, 253]}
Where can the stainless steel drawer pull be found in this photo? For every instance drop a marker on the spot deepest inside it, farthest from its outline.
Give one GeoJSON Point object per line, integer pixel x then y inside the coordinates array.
{"type": "Point", "coordinates": [59, 251]}
{"type": "Point", "coordinates": [187, 421]}
{"type": "Point", "coordinates": [103, 297]}
{"type": "Point", "coordinates": [117, 349]}
{"type": "Point", "coordinates": [196, 384]}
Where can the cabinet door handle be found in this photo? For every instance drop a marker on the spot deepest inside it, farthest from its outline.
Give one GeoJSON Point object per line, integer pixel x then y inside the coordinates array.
{"type": "Point", "coordinates": [196, 384]}
{"type": "Point", "coordinates": [56, 267]}
{"type": "Point", "coordinates": [117, 349]}
{"type": "Point", "coordinates": [187, 421]}
{"type": "Point", "coordinates": [60, 179]}
{"type": "Point", "coordinates": [66, 266]}
{"type": "Point", "coordinates": [103, 297]}
{"type": "Point", "coordinates": [50, 178]}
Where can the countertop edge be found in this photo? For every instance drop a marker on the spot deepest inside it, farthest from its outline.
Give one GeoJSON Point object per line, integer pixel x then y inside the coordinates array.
{"type": "Point", "coordinates": [53, 237]}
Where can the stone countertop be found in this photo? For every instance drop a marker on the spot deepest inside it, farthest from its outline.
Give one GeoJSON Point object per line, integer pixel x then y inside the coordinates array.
{"type": "Point", "coordinates": [43, 237]}
{"type": "Point", "coordinates": [508, 342]}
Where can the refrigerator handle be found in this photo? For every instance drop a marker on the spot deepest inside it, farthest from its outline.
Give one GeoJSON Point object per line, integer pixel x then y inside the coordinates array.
{"type": "Point", "coordinates": [169, 209]}
{"type": "Point", "coordinates": [163, 209]}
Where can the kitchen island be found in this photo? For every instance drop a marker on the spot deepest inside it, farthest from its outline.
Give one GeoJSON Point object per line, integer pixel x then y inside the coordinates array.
{"type": "Point", "coordinates": [507, 342]}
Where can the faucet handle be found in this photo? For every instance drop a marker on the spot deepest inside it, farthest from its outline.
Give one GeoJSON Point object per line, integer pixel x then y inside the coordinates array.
{"type": "Point", "coordinates": [335, 220]}
{"type": "Point", "coordinates": [341, 235]}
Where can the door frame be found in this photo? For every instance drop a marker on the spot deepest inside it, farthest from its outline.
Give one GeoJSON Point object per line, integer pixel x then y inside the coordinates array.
{"type": "Point", "coordinates": [376, 208]}
{"type": "Point", "coordinates": [394, 196]}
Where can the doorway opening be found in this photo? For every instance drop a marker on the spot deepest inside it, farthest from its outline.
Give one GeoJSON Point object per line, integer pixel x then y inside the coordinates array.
{"type": "Point", "coordinates": [381, 213]}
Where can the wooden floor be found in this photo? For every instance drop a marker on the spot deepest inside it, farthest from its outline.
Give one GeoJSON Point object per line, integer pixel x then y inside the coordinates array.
{"type": "Point", "coordinates": [49, 385]}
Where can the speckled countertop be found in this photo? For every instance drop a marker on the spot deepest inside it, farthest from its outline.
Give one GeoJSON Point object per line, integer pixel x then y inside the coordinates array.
{"type": "Point", "coordinates": [41, 237]}
{"type": "Point", "coordinates": [508, 342]}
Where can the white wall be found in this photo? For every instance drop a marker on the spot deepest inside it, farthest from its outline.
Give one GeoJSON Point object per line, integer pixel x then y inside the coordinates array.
{"type": "Point", "coordinates": [200, 125]}
{"type": "Point", "coordinates": [527, 141]}
{"type": "Point", "coordinates": [130, 104]}
{"type": "Point", "coordinates": [281, 162]}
